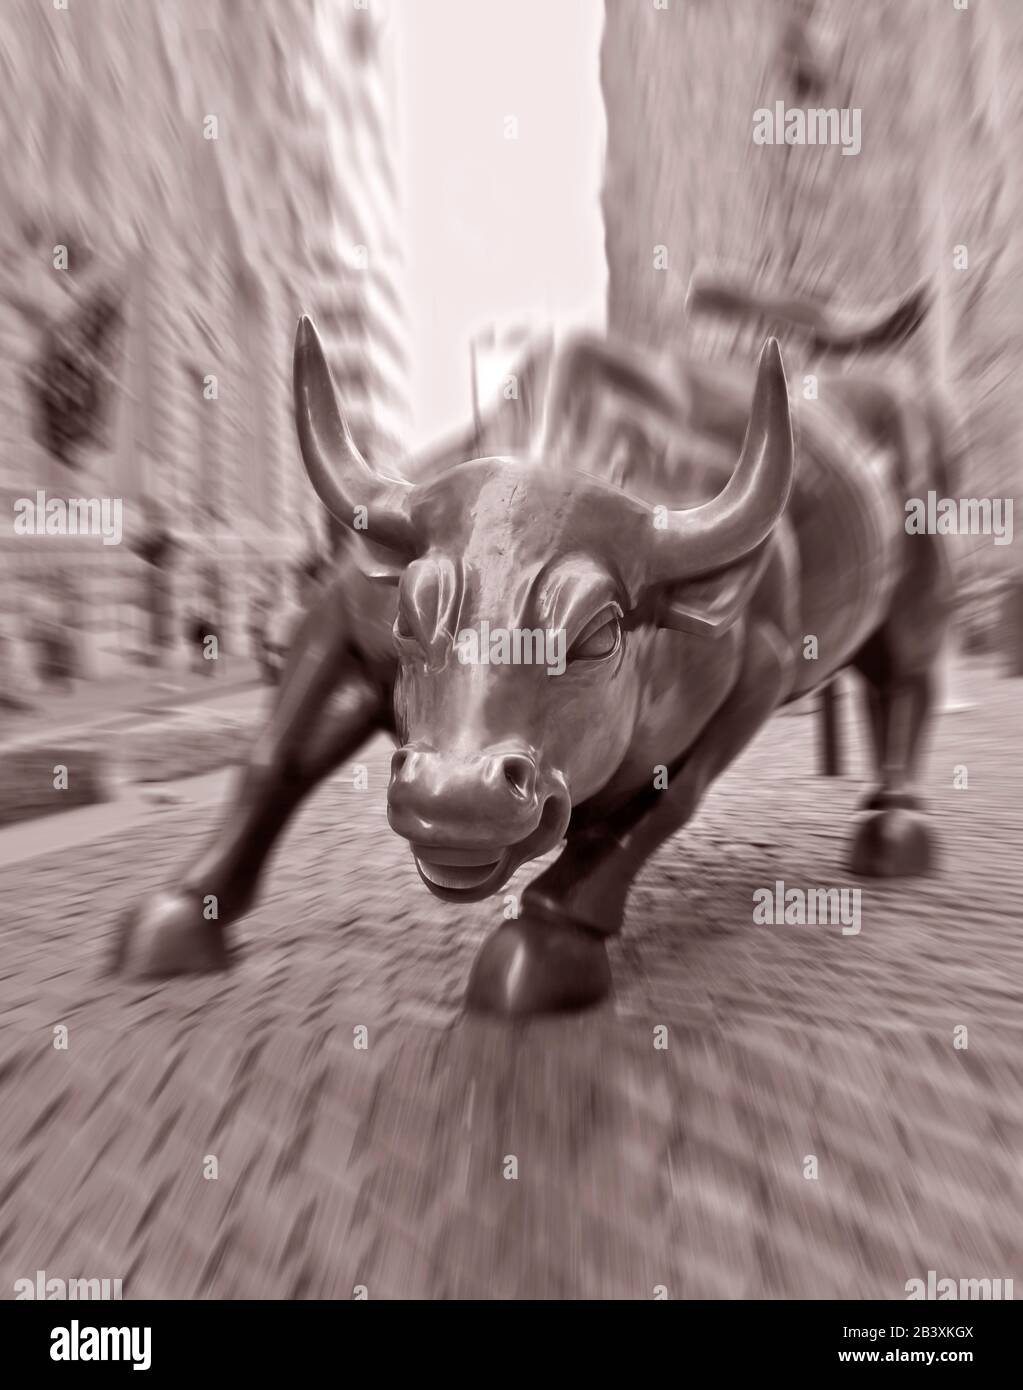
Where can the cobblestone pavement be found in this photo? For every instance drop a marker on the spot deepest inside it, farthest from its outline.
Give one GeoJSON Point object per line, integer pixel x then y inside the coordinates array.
{"type": "Point", "coordinates": [637, 1167]}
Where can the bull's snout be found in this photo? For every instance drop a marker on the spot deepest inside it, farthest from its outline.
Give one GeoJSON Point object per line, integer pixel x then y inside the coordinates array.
{"type": "Point", "coordinates": [473, 818]}
{"type": "Point", "coordinates": [486, 798]}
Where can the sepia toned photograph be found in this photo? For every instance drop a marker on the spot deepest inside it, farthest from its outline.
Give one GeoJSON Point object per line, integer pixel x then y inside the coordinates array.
{"type": "Point", "coordinates": [511, 644]}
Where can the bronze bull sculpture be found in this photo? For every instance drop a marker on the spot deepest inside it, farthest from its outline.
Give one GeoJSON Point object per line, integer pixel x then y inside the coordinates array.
{"type": "Point", "coordinates": [681, 587]}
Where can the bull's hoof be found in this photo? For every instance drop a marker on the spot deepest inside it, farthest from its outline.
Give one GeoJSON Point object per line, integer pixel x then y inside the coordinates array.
{"type": "Point", "coordinates": [893, 842]}
{"type": "Point", "coordinates": [538, 967]}
{"type": "Point", "coordinates": [168, 936]}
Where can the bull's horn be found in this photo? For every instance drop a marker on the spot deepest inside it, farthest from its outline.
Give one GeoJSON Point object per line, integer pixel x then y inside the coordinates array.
{"type": "Point", "coordinates": [708, 537]}
{"type": "Point", "coordinates": [341, 476]}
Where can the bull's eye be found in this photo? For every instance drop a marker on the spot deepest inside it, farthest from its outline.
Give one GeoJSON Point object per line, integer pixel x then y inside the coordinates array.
{"type": "Point", "coordinates": [600, 638]}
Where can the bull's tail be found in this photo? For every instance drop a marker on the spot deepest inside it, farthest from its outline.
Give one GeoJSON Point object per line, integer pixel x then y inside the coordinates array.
{"type": "Point", "coordinates": [830, 329]}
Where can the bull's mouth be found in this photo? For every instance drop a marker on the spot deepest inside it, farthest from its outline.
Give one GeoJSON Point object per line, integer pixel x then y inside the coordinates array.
{"type": "Point", "coordinates": [460, 871]}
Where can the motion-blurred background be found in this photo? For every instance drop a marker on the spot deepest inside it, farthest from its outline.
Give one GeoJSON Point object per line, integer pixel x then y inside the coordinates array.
{"type": "Point", "coordinates": [433, 180]}
{"type": "Point", "coordinates": [429, 181]}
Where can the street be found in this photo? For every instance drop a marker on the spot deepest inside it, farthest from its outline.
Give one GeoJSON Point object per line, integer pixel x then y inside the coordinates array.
{"type": "Point", "coordinates": [384, 1168]}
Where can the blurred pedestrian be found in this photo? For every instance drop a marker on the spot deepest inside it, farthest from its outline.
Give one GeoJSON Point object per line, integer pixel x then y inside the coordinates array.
{"type": "Point", "coordinates": [157, 546]}
{"type": "Point", "coordinates": [198, 632]}
{"type": "Point", "coordinates": [55, 661]}
{"type": "Point", "coordinates": [281, 626]}
{"type": "Point", "coordinates": [15, 681]}
{"type": "Point", "coordinates": [259, 621]}
{"type": "Point", "coordinates": [204, 610]}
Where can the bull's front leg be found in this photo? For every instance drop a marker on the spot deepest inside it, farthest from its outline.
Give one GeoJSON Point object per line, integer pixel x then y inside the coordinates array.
{"type": "Point", "coordinates": [329, 702]}
{"type": "Point", "coordinates": [553, 957]}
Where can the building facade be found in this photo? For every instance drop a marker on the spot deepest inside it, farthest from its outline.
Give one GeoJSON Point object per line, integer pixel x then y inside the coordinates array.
{"type": "Point", "coordinates": [929, 188]}
{"type": "Point", "coordinates": [207, 171]}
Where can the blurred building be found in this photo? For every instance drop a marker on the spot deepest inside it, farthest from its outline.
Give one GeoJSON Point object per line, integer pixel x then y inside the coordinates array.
{"type": "Point", "coordinates": [213, 170]}
{"type": "Point", "coordinates": [704, 194]}
{"type": "Point", "coordinates": [935, 176]}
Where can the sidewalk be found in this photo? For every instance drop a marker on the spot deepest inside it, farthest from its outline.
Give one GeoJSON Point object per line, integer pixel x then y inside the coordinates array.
{"type": "Point", "coordinates": [105, 701]}
{"type": "Point", "coordinates": [78, 750]}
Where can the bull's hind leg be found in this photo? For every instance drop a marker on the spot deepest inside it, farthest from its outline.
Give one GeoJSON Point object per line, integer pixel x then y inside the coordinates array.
{"type": "Point", "coordinates": [891, 836]}
{"type": "Point", "coordinates": [328, 703]}
{"type": "Point", "coordinates": [553, 957]}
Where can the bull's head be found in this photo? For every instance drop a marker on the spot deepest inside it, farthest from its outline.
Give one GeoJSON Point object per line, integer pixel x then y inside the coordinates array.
{"type": "Point", "coordinates": [526, 597]}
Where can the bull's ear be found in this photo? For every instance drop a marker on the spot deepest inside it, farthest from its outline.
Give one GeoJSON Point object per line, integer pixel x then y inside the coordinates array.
{"type": "Point", "coordinates": [377, 563]}
{"type": "Point", "coordinates": [709, 606]}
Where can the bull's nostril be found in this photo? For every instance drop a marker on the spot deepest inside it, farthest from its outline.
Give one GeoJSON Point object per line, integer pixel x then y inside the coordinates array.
{"type": "Point", "coordinates": [520, 774]}
{"type": "Point", "coordinates": [398, 761]}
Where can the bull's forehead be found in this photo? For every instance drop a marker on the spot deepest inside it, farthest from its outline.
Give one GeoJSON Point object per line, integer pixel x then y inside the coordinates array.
{"type": "Point", "coordinates": [531, 510]}
{"type": "Point", "coordinates": [498, 503]}
{"type": "Point", "coordinates": [512, 543]}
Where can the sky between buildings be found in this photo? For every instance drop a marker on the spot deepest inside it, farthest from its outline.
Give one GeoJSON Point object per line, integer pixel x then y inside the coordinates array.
{"type": "Point", "coordinates": [497, 229]}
